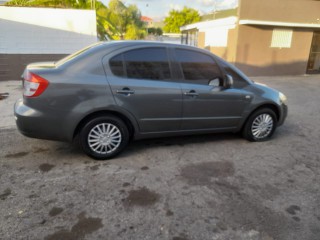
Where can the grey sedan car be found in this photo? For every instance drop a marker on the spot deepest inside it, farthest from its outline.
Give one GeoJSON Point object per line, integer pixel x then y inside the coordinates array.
{"type": "Point", "coordinates": [109, 93]}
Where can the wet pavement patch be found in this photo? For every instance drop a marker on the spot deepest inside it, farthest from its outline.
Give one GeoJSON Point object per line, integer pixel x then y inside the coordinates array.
{"type": "Point", "coordinates": [181, 237]}
{"type": "Point", "coordinates": [84, 226]}
{"type": "Point", "coordinates": [55, 211]}
{"type": "Point", "coordinates": [202, 173]}
{"type": "Point", "coordinates": [40, 150]}
{"type": "Point", "coordinates": [4, 96]}
{"type": "Point", "coordinates": [95, 167]}
{"type": "Point", "coordinates": [297, 219]}
{"type": "Point", "coordinates": [43, 221]}
{"type": "Point", "coordinates": [46, 167]}
{"type": "Point", "coordinates": [222, 226]}
{"type": "Point", "coordinates": [33, 196]}
{"type": "Point", "coordinates": [169, 213]}
{"type": "Point", "coordinates": [5, 194]}
{"type": "Point", "coordinates": [293, 209]}
{"type": "Point", "coordinates": [245, 212]}
{"type": "Point", "coordinates": [141, 197]}
{"type": "Point", "coordinates": [16, 155]}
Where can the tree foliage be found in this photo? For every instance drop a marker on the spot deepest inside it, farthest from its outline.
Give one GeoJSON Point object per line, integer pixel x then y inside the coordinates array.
{"type": "Point", "coordinates": [155, 31]}
{"type": "Point", "coordinates": [177, 19]}
{"type": "Point", "coordinates": [117, 21]}
{"type": "Point", "coordinates": [127, 21]}
{"type": "Point", "coordinates": [80, 4]}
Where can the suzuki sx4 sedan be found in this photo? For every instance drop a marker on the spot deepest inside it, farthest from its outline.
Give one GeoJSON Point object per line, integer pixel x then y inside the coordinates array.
{"type": "Point", "coordinates": [109, 93]}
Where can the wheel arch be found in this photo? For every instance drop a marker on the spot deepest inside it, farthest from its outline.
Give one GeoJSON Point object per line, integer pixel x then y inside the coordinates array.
{"type": "Point", "coordinates": [93, 115]}
{"type": "Point", "coordinates": [271, 106]}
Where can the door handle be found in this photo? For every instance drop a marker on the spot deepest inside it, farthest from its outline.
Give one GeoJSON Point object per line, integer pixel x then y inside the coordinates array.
{"type": "Point", "coordinates": [191, 93]}
{"type": "Point", "coordinates": [125, 91]}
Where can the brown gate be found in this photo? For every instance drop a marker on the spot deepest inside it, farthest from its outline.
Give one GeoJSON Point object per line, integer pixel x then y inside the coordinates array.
{"type": "Point", "coordinates": [314, 58]}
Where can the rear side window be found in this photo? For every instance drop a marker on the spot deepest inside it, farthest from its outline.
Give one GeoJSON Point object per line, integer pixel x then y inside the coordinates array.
{"type": "Point", "coordinates": [197, 66]}
{"type": "Point", "coordinates": [145, 63]}
{"type": "Point", "coordinates": [116, 65]}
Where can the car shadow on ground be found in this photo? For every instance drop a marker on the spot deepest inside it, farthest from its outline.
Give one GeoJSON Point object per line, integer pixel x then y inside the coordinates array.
{"type": "Point", "coordinates": [136, 147]}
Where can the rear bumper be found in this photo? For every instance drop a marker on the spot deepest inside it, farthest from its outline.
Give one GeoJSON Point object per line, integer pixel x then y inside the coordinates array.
{"type": "Point", "coordinates": [33, 123]}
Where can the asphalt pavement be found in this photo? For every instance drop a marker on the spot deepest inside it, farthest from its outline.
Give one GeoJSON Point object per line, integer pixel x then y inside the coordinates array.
{"type": "Point", "coordinates": [206, 187]}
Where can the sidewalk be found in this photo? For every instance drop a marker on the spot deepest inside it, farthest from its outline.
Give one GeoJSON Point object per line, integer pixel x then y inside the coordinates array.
{"type": "Point", "coordinates": [14, 88]}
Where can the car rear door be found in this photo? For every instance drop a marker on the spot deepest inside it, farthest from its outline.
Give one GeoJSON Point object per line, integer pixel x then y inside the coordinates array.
{"type": "Point", "coordinates": [206, 103]}
{"type": "Point", "coordinates": [141, 82]}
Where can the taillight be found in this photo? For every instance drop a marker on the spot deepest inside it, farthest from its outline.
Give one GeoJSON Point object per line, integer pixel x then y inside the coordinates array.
{"type": "Point", "coordinates": [34, 85]}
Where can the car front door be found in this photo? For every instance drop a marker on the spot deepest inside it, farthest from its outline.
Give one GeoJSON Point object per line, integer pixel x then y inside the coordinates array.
{"type": "Point", "coordinates": [141, 82]}
{"type": "Point", "coordinates": [207, 104]}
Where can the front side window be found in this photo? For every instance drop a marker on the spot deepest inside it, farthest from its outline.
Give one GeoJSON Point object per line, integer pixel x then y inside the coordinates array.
{"type": "Point", "coordinates": [238, 81]}
{"type": "Point", "coordinates": [198, 67]}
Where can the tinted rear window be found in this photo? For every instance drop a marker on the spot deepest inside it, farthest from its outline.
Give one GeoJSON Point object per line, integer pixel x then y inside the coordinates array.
{"type": "Point", "coordinates": [145, 63]}
{"type": "Point", "coordinates": [116, 65]}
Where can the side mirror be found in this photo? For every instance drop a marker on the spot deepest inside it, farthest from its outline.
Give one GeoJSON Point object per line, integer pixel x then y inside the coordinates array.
{"type": "Point", "coordinates": [229, 81]}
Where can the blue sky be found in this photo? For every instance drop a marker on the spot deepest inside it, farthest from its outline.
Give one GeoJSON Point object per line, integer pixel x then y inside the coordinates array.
{"type": "Point", "coordinates": [158, 9]}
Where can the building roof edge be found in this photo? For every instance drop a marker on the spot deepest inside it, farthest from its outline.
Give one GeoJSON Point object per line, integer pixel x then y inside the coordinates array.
{"type": "Point", "coordinates": [279, 24]}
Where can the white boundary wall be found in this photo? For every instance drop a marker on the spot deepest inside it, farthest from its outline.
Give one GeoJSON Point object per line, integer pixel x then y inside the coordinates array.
{"type": "Point", "coordinates": [45, 30]}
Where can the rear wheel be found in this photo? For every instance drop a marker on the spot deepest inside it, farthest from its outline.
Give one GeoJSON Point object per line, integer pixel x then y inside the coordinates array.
{"type": "Point", "coordinates": [260, 125]}
{"type": "Point", "coordinates": [104, 137]}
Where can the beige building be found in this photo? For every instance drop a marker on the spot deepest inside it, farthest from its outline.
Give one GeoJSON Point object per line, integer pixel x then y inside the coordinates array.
{"type": "Point", "coordinates": [265, 37]}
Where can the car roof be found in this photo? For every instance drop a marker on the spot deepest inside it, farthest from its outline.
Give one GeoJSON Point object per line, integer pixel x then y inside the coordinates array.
{"type": "Point", "coordinates": [142, 43]}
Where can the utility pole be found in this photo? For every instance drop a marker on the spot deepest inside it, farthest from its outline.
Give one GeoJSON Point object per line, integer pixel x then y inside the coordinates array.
{"type": "Point", "coordinates": [215, 9]}
{"type": "Point", "coordinates": [147, 5]}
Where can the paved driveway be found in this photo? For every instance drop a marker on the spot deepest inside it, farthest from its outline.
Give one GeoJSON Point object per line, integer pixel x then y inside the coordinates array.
{"type": "Point", "coordinates": [200, 187]}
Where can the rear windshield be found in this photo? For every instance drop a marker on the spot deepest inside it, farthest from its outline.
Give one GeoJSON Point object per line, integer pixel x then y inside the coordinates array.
{"type": "Point", "coordinates": [76, 54]}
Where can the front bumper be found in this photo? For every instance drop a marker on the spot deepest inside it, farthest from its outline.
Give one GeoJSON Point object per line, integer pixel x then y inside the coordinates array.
{"type": "Point", "coordinates": [284, 114]}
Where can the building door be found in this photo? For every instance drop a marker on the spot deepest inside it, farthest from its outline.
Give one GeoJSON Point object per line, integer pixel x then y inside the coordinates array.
{"type": "Point", "coordinates": [314, 58]}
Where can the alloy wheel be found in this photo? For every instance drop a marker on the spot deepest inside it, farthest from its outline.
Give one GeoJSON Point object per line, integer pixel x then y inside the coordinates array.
{"type": "Point", "coordinates": [104, 138]}
{"type": "Point", "coordinates": [262, 126]}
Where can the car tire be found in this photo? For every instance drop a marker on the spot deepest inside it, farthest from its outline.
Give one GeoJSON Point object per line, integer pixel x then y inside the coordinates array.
{"type": "Point", "coordinates": [104, 137]}
{"type": "Point", "coordinates": [260, 125]}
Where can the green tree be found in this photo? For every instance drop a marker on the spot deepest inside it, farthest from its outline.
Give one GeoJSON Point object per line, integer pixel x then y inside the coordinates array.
{"type": "Point", "coordinates": [177, 19]}
{"type": "Point", "coordinates": [127, 20]}
{"type": "Point", "coordinates": [155, 31]}
{"type": "Point", "coordinates": [134, 33]}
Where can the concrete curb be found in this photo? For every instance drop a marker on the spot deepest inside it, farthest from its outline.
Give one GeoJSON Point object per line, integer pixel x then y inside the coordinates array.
{"type": "Point", "coordinates": [14, 88]}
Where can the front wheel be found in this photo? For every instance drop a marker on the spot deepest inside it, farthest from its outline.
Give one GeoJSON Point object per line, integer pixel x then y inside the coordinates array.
{"type": "Point", "coordinates": [104, 137]}
{"type": "Point", "coordinates": [260, 125]}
